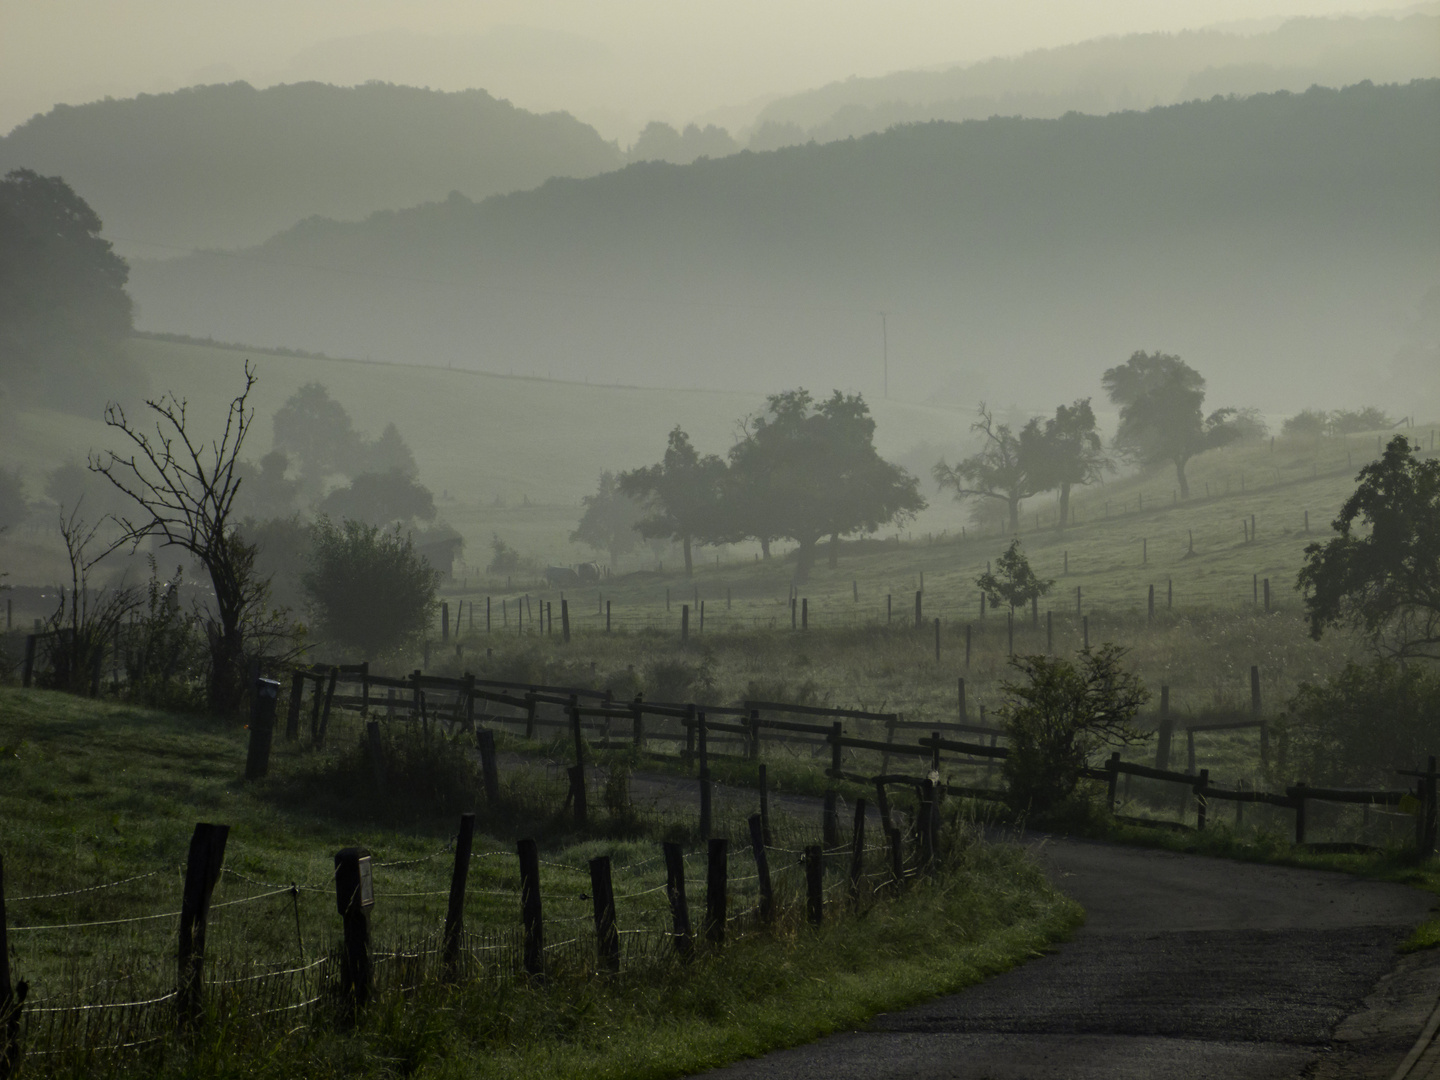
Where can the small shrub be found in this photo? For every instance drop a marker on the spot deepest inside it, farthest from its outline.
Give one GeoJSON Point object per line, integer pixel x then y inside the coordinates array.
{"type": "Point", "coordinates": [673, 679]}
{"type": "Point", "coordinates": [1361, 725]}
{"type": "Point", "coordinates": [1061, 714]}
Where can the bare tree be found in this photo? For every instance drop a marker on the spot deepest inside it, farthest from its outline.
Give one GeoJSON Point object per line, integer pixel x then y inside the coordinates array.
{"type": "Point", "coordinates": [185, 488]}
{"type": "Point", "coordinates": [91, 620]}
{"type": "Point", "coordinates": [1005, 468]}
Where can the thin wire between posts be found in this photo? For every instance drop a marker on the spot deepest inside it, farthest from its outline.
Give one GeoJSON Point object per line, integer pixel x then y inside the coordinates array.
{"type": "Point", "coordinates": [98, 922]}
{"type": "Point", "coordinates": [90, 889]}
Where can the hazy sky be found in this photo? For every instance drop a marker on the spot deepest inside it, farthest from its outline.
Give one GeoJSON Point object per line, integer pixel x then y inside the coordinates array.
{"type": "Point", "coordinates": [613, 63]}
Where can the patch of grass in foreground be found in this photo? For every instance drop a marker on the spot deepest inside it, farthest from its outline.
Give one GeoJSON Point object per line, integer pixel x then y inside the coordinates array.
{"type": "Point", "coordinates": [90, 792]}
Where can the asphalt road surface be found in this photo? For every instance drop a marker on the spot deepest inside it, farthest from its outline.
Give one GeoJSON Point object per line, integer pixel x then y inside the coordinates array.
{"type": "Point", "coordinates": [1186, 967]}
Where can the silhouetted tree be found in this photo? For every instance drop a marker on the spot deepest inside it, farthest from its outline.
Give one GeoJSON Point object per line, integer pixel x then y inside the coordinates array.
{"type": "Point", "coordinates": [806, 470]}
{"type": "Point", "coordinates": [1381, 574]}
{"type": "Point", "coordinates": [1160, 398]}
{"type": "Point", "coordinates": [1067, 451]}
{"type": "Point", "coordinates": [681, 495]}
{"type": "Point", "coordinates": [610, 520]}
{"type": "Point", "coordinates": [315, 430]}
{"type": "Point", "coordinates": [1016, 584]}
{"type": "Point", "coordinates": [268, 492]}
{"type": "Point", "coordinates": [184, 489]}
{"type": "Point", "coordinates": [63, 305]}
{"type": "Point", "coordinates": [1007, 467]}
{"type": "Point", "coordinates": [380, 499]}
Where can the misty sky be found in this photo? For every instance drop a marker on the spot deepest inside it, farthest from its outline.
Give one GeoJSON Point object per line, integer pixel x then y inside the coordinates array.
{"type": "Point", "coordinates": [616, 64]}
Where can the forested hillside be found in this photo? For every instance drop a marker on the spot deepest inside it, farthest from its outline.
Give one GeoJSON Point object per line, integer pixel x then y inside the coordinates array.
{"type": "Point", "coordinates": [229, 165]}
{"type": "Point", "coordinates": [1277, 241]}
{"type": "Point", "coordinates": [1136, 71]}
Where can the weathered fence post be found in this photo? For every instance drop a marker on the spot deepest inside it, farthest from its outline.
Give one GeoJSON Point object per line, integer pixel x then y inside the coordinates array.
{"type": "Point", "coordinates": [202, 871]}
{"type": "Point", "coordinates": [684, 623]}
{"type": "Point", "coordinates": [675, 893]}
{"type": "Point", "coordinates": [1202, 799]}
{"type": "Point", "coordinates": [918, 620]}
{"type": "Point", "coordinates": [607, 937]}
{"type": "Point", "coordinates": [489, 771]}
{"type": "Point", "coordinates": [715, 881]}
{"type": "Point", "coordinates": [531, 918]}
{"type": "Point", "coordinates": [762, 869]}
{"type": "Point", "coordinates": [11, 996]}
{"type": "Point", "coordinates": [763, 781]}
{"type": "Point", "coordinates": [354, 897]}
{"type": "Point", "coordinates": [1162, 743]}
{"type": "Point", "coordinates": [262, 728]}
{"type": "Point", "coordinates": [1298, 794]}
{"type": "Point", "coordinates": [857, 852]}
{"type": "Point", "coordinates": [577, 774]}
{"type": "Point", "coordinates": [804, 613]}
{"type": "Point", "coordinates": [814, 884]}
{"type": "Point", "coordinates": [830, 820]}
{"type": "Point", "coordinates": [565, 621]}
{"type": "Point", "coordinates": [455, 911]}
{"type": "Point", "coordinates": [702, 734]}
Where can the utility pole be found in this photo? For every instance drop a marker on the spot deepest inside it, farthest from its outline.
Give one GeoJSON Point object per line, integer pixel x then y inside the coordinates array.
{"type": "Point", "coordinates": [885, 350]}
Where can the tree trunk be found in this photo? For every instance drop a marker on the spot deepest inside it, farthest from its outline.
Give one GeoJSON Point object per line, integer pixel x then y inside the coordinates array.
{"type": "Point", "coordinates": [1064, 503]}
{"type": "Point", "coordinates": [1180, 475]}
{"type": "Point", "coordinates": [764, 547]}
{"type": "Point", "coordinates": [804, 560]}
{"type": "Point", "coordinates": [1014, 502]}
{"type": "Point", "coordinates": [834, 550]}
{"type": "Point", "coordinates": [227, 664]}
{"type": "Point", "coordinates": [689, 565]}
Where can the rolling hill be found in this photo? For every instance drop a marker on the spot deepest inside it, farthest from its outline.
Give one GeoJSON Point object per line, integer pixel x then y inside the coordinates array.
{"type": "Point", "coordinates": [228, 165]}
{"type": "Point", "coordinates": [1278, 243]}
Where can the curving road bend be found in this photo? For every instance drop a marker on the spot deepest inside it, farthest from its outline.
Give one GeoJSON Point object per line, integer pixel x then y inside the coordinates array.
{"type": "Point", "coordinates": [1186, 967]}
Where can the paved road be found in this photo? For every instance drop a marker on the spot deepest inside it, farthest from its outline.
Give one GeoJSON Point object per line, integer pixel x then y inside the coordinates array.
{"type": "Point", "coordinates": [1186, 967]}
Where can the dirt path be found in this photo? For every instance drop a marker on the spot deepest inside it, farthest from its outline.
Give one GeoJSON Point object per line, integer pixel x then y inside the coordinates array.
{"type": "Point", "coordinates": [1186, 967]}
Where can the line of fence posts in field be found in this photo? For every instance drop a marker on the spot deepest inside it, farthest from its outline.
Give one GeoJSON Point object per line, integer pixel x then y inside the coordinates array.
{"type": "Point", "coordinates": [355, 900]}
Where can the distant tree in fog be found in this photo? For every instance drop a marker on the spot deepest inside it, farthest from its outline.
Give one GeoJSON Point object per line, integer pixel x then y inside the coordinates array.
{"type": "Point", "coordinates": [1064, 451]}
{"type": "Point", "coordinates": [14, 508]}
{"type": "Point", "coordinates": [809, 469]}
{"type": "Point", "coordinates": [1009, 467]}
{"type": "Point", "coordinates": [267, 493]}
{"type": "Point", "coordinates": [381, 499]}
{"type": "Point", "coordinates": [609, 521]}
{"type": "Point", "coordinates": [681, 495]}
{"type": "Point", "coordinates": [1306, 424]}
{"type": "Point", "coordinates": [369, 590]}
{"type": "Point", "coordinates": [1160, 398]}
{"type": "Point", "coordinates": [661, 142]}
{"type": "Point", "coordinates": [64, 311]}
{"type": "Point", "coordinates": [316, 431]}
{"type": "Point", "coordinates": [1353, 421]}
{"type": "Point", "coordinates": [389, 453]}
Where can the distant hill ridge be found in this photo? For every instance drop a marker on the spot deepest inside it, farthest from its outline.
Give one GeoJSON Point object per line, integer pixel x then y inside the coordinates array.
{"type": "Point", "coordinates": [1269, 240]}
{"type": "Point", "coordinates": [1134, 71]}
{"type": "Point", "coordinates": [226, 166]}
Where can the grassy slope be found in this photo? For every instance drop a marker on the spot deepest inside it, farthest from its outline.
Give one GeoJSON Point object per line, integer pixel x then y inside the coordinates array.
{"type": "Point", "coordinates": [91, 793]}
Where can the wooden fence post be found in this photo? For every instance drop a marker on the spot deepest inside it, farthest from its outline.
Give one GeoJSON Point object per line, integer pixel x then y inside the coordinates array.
{"type": "Point", "coordinates": [565, 621]}
{"type": "Point", "coordinates": [262, 728]}
{"type": "Point", "coordinates": [675, 893]}
{"type": "Point", "coordinates": [577, 774]}
{"type": "Point", "coordinates": [830, 820]}
{"type": "Point", "coordinates": [531, 917]}
{"type": "Point", "coordinates": [11, 997]}
{"type": "Point", "coordinates": [814, 884]}
{"type": "Point", "coordinates": [607, 937]}
{"type": "Point", "coordinates": [684, 623]}
{"type": "Point", "coordinates": [702, 734]}
{"type": "Point", "coordinates": [857, 852]}
{"type": "Point", "coordinates": [715, 880]}
{"type": "Point", "coordinates": [763, 781]}
{"type": "Point", "coordinates": [762, 869]}
{"type": "Point", "coordinates": [354, 897]}
{"type": "Point", "coordinates": [918, 594]}
{"type": "Point", "coordinates": [1202, 799]}
{"type": "Point", "coordinates": [202, 871]}
{"type": "Point", "coordinates": [1299, 797]}
{"type": "Point", "coordinates": [325, 712]}
{"type": "Point", "coordinates": [1162, 744]}
{"type": "Point", "coordinates": [489, 772]}
{"type": "Point", "coordinates": [455, 911]}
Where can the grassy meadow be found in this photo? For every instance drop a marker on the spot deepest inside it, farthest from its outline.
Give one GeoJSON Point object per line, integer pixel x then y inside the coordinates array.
{"type": "Point", "coordinates": [96, 805]}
